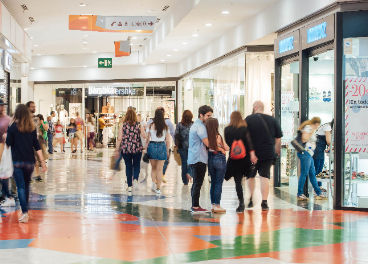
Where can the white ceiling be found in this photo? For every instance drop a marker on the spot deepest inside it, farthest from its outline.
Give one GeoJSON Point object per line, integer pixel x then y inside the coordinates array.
{"type": "Point", "coordinates": [50, 29]}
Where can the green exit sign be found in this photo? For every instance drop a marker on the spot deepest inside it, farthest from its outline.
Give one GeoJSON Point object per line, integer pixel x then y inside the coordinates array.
{"type": "Point", "coordinates": [104, 62]}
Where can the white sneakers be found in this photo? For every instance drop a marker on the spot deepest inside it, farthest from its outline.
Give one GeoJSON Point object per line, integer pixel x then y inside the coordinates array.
{"type": "Point", "coordinates": [129, 189]}
{"type": "Point", "coordinates": [135, 185]}
{"type": "Point", "coordinates": [9, 202]}
{"type": "Point", "coordinates": [158, 191]}
{"type": "Point", "coordinates": [24, 219]}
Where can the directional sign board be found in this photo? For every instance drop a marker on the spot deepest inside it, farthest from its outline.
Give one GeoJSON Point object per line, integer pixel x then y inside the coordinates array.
{"type": "Point", "coordinates": [104, 62]}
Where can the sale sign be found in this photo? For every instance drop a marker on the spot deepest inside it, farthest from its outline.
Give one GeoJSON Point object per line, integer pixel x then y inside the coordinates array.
{"type": "Point", "coordinates": [287, 117]}
{"type": "Point", "coordinates": [356, 113]}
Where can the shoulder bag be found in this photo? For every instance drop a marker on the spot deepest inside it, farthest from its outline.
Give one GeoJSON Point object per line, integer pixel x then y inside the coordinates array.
{"type": "Point", "coordinates": [270, 136]}
{"type": "Point", "coordinates": [297, 143]}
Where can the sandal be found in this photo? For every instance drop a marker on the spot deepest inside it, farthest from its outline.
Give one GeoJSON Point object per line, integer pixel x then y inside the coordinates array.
{"type": "Point", "coordinates": [302, 197]}
{"type": "Point", "coordinates": [323, 190]}
{"type": "Point", "coordinates": [321, 197]}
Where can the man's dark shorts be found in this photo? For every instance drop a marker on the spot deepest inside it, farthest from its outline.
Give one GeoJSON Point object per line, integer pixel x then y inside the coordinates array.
{"type": "Point", "coordinates": [263, 168]}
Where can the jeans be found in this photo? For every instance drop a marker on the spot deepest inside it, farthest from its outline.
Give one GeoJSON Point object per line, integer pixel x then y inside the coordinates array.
{"type": "Point", "coordinates": [100, 138]}
{"type": "Point", "coordinates": [5, 188]}
{"type": "Point", "coordinates": [307, 168]}
{"type": "Point", "coordinates": [22, 175]}
{"type": "Point", "coordinates": [318, 166]}
{"type": "Point", "coordinates": [132, 161]}
{"type": "Point", "coordinates": [185, 169]}
{"type": "Point", "coordinates": [50, 138]}
{"type": "Point", "coordinates": [198, 173]}
{"type": "Point", "coordinates": [217, 170]}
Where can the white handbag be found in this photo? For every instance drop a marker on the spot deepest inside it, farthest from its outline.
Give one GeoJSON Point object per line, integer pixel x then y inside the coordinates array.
{"type": "Point", "coordinates": [6, 165]}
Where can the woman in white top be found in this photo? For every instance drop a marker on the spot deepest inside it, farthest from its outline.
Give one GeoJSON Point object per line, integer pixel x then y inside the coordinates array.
{"type": "Point", "coordinates": [309, 138]}
{"type": "Point", "coordinates": [158, 140]}
{"type": "Point", "coordinates": [90, 133]}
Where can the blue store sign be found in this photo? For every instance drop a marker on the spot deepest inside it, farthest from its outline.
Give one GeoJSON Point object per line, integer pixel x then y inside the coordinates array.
{"type": "Point", "coordinates": [286, 44]}
{"type": "Point", "coordinates": [317, 32]}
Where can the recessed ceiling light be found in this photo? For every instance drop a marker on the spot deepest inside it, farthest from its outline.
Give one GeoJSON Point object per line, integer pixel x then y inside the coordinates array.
{"type": "Point", "coordinates": [143, 63]}
{"type": "Point", "coordinates": [94, 51]}
{"type": "Point", "coordinates": [36, 45]}
{"type": "Point", "coordinates": [175, 49]}
{"type": "Point", "coordinates": [85, 36]}
{"type": "Point", "coordinates": [162, 60]}
{"type": "Point", "coordinates": [225, 12]}
{"type": "Point", "coordinates": [208, 25]}
{"type": "Point", "coordinates": [138, 30]}
{"type": "Point", "coordinates": [168, 55]}
{"type": "Point", "coordinates": [184, 43]}
{"type": "Point", "coordinates": [32, 37]}
{"type": "Point", "coordinates": [195, 35]}
{"type": "Point", "coordinates": [32, 68]}
{"type": "Point", "coordinates": [82, 4]}
{"type": "Point", "coordinates": [131, 44]}
{"type": "Point", "coordinates": [26, 29]}
{"type": "Point", "coordinates": [84, 66]}
{"type": "Point", "coordinates": [85, 42]}
{"type": "Point", "coordinates": [134, 37]}
{"type": "Point", "coordinates": [38, 54]}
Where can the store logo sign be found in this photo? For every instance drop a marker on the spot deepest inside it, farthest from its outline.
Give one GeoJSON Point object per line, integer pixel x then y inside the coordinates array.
{"type": "Point", "coordinates": [110, 91]}
{"type": "Point", "coordinates": [286, 44]}
{"type": "Point", "coordinates": [316, 33]}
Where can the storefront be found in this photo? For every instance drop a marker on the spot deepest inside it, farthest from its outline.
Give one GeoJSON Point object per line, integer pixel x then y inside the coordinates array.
{"type": "Point", "coordinates": [320, 69]}
{"type": "Point", "coordinates": [232, 84]}
{"type": "Point", "coordinates": [110, 100]}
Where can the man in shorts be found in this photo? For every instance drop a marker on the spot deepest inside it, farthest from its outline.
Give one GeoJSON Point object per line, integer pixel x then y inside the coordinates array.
{"type": "Point", "coordinates": [266, 138]}
{"type": "Point", "coordinates": [80, 127]}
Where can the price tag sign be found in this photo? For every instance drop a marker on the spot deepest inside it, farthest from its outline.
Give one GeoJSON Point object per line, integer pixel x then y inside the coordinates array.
{"type": "Point", "coordinates": [356, 113]}
{"type": "Point", "coordinates": [287, 117]}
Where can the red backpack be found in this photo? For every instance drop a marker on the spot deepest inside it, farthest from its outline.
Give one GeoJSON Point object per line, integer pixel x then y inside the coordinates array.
{"type": "Point", "coordinates": [237, 150]}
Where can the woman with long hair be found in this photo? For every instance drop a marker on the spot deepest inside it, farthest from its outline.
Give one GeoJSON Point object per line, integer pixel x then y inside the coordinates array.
{"type": "Point", "coordinates": [237, 131]}
{"type": "Point", "coordinates": [129, 146]}
{"type": "Point", "coordinates": [90, 133]}
{"type": "Point", "coordinates": [182, 141]}
{"type": "Point", "coordinates": [308, 138]}
{"type": "Point", "coordinates": [59, 136]}
{"type": "Point", "coordinates": [216, 163]}
{"type": "Point", "coordinates": [22, 138]}
{"type": "Point", "coordinates": [158, 142]}
{"type": "Point", "coordinates": [72, 131]}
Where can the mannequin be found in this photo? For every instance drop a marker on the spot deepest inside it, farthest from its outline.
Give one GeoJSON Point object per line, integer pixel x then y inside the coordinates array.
{"type": "Point", "coordinates": [62, 113]}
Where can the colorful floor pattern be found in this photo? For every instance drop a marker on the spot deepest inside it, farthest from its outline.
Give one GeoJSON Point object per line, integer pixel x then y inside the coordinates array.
{"type": "Point", "coordinates": [82, 214]}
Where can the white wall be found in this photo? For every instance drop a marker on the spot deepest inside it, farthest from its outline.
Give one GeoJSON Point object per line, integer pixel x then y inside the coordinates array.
{"type": "Point", "coordinates": [94, 73]}
{"type": "Point", "coordinates": [278, 15]}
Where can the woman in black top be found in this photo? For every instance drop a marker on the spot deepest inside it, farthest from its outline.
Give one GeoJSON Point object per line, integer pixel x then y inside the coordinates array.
{"type": "Point", "coordinates": [237, 130]}
{"type": "Point", "coordinates": [22, 138]}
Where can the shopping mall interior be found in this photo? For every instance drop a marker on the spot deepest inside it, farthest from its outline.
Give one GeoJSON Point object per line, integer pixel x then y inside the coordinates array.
{"type": "Point", "coordinates": [95, 63]}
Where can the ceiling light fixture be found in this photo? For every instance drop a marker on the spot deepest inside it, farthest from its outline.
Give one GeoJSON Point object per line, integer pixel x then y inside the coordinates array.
{"type": "Point", "coordinates": [134, 37]}
{"type": "Point", "coordinates": [143, 63]}
{"type": "Point", "coordinates": [175, 49]}
{"type": "Point", "coordinates": [131, 44]}
{"type": "Point", "coordinates": [195, 35]}
{"type": "Point", "coordinates": [225, 12]}
{"type": "Point", "coordinates": [138, 30]}
{"type": "Point", "coordinates": [94, 51]}
{"type": "Point", "coordinates": [82, 4]}
{"type": "Point", "coordinates": [184, 43]}
{"type": "Point", "coordinates": [26, 29]}
{"type": "Point", "coordinates": [85, 42]}
{"type": "Point", "coordinates": [32, 68]}
{"type": "Point", "coordinates": [162, 60]}
{"type": "Point", "coordinates": [84, 66]}
{"type": "Point", "coordinates": [168, 55]}
{"type": "Point", "coordinates": [38, 54]}
{"type": "Point", "coordinates": [85, 36]}
{"type": "Point", "coordinates": [208, 25]}
{"type": "Point", "coordinates": [36, 45]}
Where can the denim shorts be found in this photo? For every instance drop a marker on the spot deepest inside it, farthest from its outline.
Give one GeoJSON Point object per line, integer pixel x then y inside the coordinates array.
{"type": "Point", "coordinates": [157, 151]}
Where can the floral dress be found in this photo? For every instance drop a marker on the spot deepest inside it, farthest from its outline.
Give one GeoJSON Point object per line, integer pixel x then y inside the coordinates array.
{"type": "Point", "coordinates": [131, 142]}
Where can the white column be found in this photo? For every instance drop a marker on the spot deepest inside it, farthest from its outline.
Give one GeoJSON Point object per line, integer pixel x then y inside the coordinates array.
{"type": "Point", "coordinates": [26, 90]}
{"type": "Point", "coordinates": [145, 103]}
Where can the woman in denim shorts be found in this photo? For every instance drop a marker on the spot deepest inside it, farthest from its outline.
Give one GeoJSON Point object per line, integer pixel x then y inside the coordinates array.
{"type": "Point", "coordinates": [216, 163]}
{"type": "Point", "coordinates": [158, 140]}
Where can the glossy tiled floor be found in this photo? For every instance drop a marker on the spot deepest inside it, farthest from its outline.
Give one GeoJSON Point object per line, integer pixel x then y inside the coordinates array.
{"type": "Point", "coordinates": [82, 214]}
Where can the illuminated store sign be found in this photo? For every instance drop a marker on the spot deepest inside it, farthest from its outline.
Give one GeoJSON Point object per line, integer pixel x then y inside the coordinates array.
{"type": "Point", "coordinates": [286, 44]}
{"type": "Point", "coordinates": [317, 32]}
{"type": "Point", "coordinates": [111, 91]}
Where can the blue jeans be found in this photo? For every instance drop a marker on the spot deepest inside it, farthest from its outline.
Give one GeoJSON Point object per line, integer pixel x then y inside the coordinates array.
{"type": "Point", "coordinates": [185, 169]}
{"type": "Point", "coordinates": [22, 175]}
{"type": "Point", "coordinates": [132, 161]}
{"type": "Point", "coordinates": [50, 138]}
{"type": "Point", "coordinates": [318, 166]}
{"type": "Point", "coordinates": [5, 188]}
{"type": "Point", "coordinates": [307, 168]}
{"type": "Point", "coordinates": [217, 170]}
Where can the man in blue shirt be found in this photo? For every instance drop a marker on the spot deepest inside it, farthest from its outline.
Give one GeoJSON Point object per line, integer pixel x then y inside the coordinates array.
{"type": "Point", "coordinates": [198, 155]}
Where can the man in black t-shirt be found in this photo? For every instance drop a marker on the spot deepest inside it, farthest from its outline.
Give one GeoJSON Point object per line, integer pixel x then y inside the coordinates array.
{"type": "Point", "coordinates": [266, 138]}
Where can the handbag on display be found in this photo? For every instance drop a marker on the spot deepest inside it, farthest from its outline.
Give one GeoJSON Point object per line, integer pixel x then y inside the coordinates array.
{"type": "Point", "coordinates": [297, 143]}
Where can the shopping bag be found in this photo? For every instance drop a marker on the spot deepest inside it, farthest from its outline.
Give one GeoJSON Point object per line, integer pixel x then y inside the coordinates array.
{"type": "Point", "coordinates": [79, 134]}
{"type": "Point", "coordinates": [113, 163]}
{"type": "Point", "coordinates": [6, 165]}
{"type": "Point", "coordinates": [177, 156]}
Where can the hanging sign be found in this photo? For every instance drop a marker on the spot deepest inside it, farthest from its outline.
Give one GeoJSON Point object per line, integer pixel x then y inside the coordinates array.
{"type": "Point", "coordinates": [287, 117]}
{"type": "Point", "coordinates": [356, 112]}
{"type": "Point", "coordinates": [318, 32]}
{"type": "Point", "coordinates": [122, 48]}
{"type": "Point", "coordinates": [143, 24]}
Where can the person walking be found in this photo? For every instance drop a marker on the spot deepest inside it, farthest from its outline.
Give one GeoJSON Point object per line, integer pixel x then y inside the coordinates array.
{"type": "Point", "coordinates": [172, 133]}
{"type": "Point", "coordinates": [50, 132]}
{"type": "Point", "coordinates": [59, 136]}
{"type": "Point", "coordinates": [72, 129]}
{"type": "Point", "coordinates": [158, 140]}
{"type": "Point", "coordinates": [323, 134]}
{"type": "Point", "coordinates": [182, 143]}
{"type": "Point", "coordinates": [4, 123]}
{"type": "Point", "coordinates": [308, 138]}
{"type": "Point", "coordinates": [266, 135]}
{"type": "Point", "coordinates": [101, 126]}
{"type": "Point", "coordinates": [216, 163]}
{"type": "Point", "coordinates": [90, 133]}
{"type": "Point", "coordinates": [80, 130]}
{"type": "Point", "coordinates": [42, 136]}
{"type": "Point", "coordinates": [237, 131]}
{"type": "Point", "coordinates": [22, 138]}
{"type": "Point", "coordinates": [129, 146]}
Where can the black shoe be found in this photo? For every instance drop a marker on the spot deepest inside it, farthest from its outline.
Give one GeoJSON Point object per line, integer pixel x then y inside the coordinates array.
{"type": "Point", "coordinates": [38, 179]}
{"type": "Point", "coordinates": [240, 208]}
{"type": "Point", "coordinates": [55, 151]}
{"type": "Point", "coordinates": [250, 205]}
{"type": "Point", "coordinates": [264, 206]}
